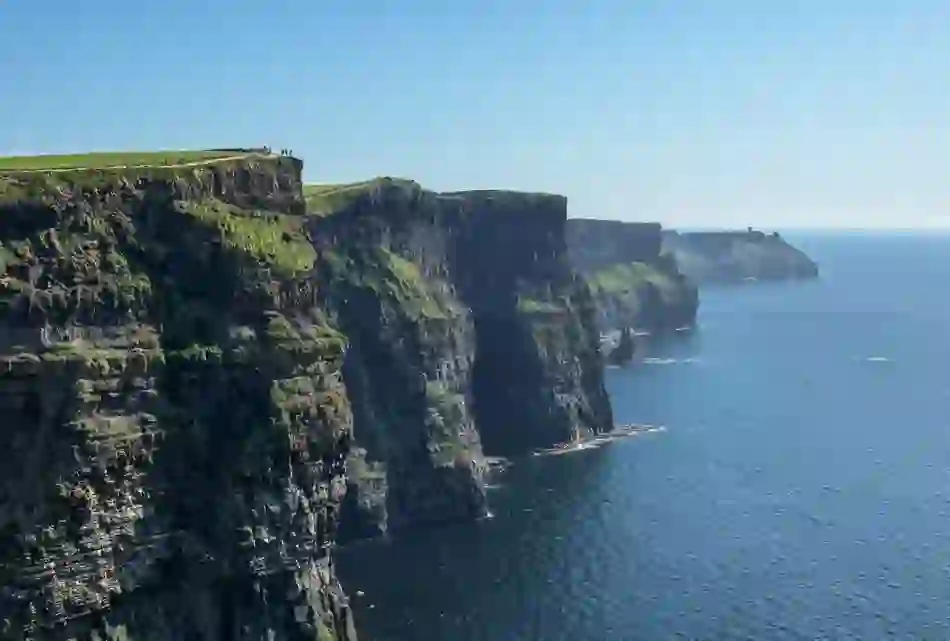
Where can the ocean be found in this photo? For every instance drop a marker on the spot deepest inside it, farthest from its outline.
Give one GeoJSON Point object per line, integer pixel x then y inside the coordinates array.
{"type": "Point", "coordinates": [800, 490]}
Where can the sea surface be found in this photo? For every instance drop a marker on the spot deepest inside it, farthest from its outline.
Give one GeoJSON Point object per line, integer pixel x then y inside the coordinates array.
{"type": "Point", "coordinates": [801, 489]}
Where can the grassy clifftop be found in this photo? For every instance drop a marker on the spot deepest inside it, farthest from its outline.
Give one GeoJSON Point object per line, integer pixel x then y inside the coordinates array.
{"type": "Point", "coordinates": [237, 175]}
{"type": "Point", "coordinates": [327, 199]}
{"type": "Point", "coordinates": [106, 159]}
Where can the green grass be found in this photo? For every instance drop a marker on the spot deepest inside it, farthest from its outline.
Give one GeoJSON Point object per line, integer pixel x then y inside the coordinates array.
{"type": "Point", "coordinates": [101, 160]}
{"type": "Point", "coordinates": [36, 186]}
{"type": "Point", "coordinates": [323, 200]}
{"type": "Point", "coordinates": [269, 237]}
{"type": "Point", "coordinates": [534, 306]}
{"type": "Point", "coordinates": [326, 199]}
{"type": "Point", "coordinates": [324, 633]}
{"type": "Point", "coordinates": [407, 284]}
{"type": "Point", "coordinates": [7, 258]}
{"type": "Point", "coordinates": [443, 422]}
{"type": "Point", "coordinates": [392, 278]}
{"type": "Point", "coordinates": [627, 277]}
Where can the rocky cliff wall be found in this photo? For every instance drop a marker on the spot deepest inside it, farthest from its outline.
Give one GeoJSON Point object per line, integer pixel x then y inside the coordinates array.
{"type": "Point", "coordinates": [735, 256]}
{"type": "Point", "coordinates": [600, 244]}
{"type": "Point", "coordinates": [186, 356]}
{"type": "Point", "coordinates": [634, 284]}
{"type": "Point", "coordinates": [538, 377]}
{"type": "Point", "coordinates": [174, 420]}
{"type": "Point", "coordinates": [469, 334]}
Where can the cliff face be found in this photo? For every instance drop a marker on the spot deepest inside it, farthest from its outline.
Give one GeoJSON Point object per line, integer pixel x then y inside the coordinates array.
{"type": "Point", "coordinates": [175, 424]}
{"type": "Point", "coordinates": [634, 284]}
{"type": "Point", "coordinates": [469, 334]}
{"type": "Point", "coordinates": [600, 244]}
{"type": "Point", "coordinates": [734, 256]}
{"type": "Point", "coordinates": [186, 356]}
{"type": "Point", "coordinates": [538, 376]}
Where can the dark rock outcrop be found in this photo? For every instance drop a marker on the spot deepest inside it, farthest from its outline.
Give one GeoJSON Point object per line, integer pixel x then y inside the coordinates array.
{"type": "Point", "coordinates": [625, 350]}
{"type": "Point", "coordinates": [634, 284]}
{"type": "Point", "coordinates": [735, 256]}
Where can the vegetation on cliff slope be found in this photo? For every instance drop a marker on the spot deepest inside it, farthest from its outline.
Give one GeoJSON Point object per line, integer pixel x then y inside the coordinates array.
{"type": "Point", "coordinates": [530, 305]}
{"type": "Point", "coordinates": [631, 277]}
{"type": "Point", "coordinates": [326, 199]}
{"type": "Point", "coordinates": [272, 238]}
{"type": "Point", "coordinates": [650, 296]}
{"type": "Point", "coordinates": [390, 278]}
{"type": "Point", "coordinates": [444, 414]}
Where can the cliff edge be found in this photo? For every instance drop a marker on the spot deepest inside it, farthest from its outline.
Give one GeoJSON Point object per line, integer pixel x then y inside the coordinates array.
{"type": "Point", "coordinates": [634, 283]}
{"type": "Point", "coordinates": [736, 256]}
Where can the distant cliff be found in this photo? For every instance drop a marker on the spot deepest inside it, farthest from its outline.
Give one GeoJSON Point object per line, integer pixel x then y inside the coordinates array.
{"type": "Point", "coordinates": [634, 284]}
{"type": "Point", "coordinates": [199, 358]}
{"type": "Point", "coordinates": [734, 256]}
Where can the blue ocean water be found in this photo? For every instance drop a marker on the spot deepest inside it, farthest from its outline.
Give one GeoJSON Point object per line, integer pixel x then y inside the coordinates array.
{"type": "Point", "coordinates": [801, 489]}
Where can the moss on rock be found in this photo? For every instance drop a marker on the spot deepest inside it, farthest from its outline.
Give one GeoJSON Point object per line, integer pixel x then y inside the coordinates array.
{"type": "Point", "coordinates": [272, 238]}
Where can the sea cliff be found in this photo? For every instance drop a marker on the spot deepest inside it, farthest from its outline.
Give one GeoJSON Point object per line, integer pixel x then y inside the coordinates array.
{"type": "Point", "coordinates": [635, 284]}
{"type": "Point", "coordinates": [175, 422]}
{"type": "Point", "coordinates": [470, 335]}
{"type": "Point", "coordinates": [209, 373]}
{"type": "Point", "coordinates": [736, 256]}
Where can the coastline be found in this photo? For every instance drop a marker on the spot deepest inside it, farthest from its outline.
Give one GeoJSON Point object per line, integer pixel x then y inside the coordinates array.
{"type": "Point", "coordinates": [599, 440]}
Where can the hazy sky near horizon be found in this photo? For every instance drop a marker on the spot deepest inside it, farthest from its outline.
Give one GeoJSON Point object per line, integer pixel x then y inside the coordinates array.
{"type": "Point", "coordinates": [808, 113]}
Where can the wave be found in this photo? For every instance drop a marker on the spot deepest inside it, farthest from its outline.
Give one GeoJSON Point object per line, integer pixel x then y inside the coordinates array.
{"type": "Point", "coordinates": [669, 361]}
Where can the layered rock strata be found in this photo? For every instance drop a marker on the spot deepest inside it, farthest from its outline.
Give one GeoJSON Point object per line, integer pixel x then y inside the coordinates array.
{"type": "Point", "coordinates": [174, 421]}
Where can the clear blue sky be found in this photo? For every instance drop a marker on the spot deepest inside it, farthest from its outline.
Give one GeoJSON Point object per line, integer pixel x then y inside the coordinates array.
{"type": "Point", "coordinates": [695, 113]}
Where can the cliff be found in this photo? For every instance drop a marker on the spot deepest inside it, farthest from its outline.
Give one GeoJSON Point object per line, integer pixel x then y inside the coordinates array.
{"type": "Point", "coordinates": [470, 335]}
{"type": "Point", "coordinates": [735, 256]}
{"type": "Point", "coordinates": [634, 283]}
{"type": "Point", "coordinates": [175, 424]}
{"type": "Point", "coordinates": [187, 356]}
